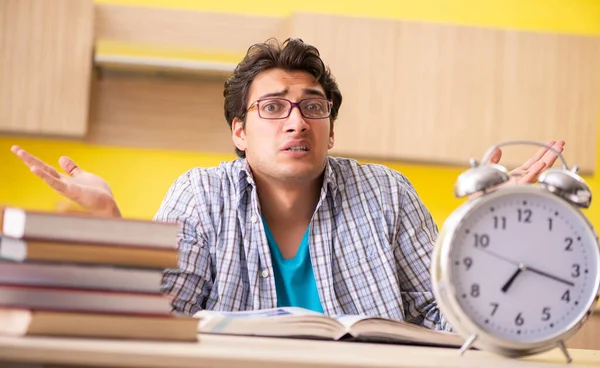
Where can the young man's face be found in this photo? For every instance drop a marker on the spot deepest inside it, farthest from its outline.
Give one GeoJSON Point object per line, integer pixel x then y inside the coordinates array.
{"type": "Point", "coordinates": [293, 149]}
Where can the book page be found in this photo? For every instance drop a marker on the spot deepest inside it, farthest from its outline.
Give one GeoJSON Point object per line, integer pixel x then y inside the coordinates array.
{"type": "Point", "coordinates": [261, 313]}
{"type": "Point", "coordinates": [287, 321]}
{"type": "Point", "coordinates": [348, 320]}
{"type": "Point", "coordinates": [402, 331]}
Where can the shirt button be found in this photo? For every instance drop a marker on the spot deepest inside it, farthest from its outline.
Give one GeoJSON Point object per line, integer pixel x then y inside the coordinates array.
{"type": "Point", "coordinates": [265, 273]}
{"type": "Point", "coordinates": [253, 219]}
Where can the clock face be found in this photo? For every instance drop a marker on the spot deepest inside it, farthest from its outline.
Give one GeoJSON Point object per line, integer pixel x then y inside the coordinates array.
{"type": "Point", "coordinates": [524, 265]}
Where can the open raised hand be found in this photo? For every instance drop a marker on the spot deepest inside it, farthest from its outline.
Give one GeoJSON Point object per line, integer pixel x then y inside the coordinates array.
{"type": "Point", "coordinates": [529, 172]}
{"type": "Point", "coordinates": [86, 189]}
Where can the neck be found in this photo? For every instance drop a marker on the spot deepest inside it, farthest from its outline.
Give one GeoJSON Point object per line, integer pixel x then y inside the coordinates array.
{"type": "Point", "coordinates": [288, 203]}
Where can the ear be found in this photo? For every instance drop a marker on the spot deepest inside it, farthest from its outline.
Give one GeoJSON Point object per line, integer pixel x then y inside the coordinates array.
{"type": "Point", "coordinates": [238, 135]}
{"type": "Point", "coordinates": [331, 136]}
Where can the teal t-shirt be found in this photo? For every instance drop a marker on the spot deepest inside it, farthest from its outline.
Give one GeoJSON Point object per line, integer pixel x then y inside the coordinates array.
{"type": "Point", "coordinates": [294, 278]}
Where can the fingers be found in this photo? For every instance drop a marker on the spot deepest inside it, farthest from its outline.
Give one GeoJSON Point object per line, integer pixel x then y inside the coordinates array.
{"type": "Point", "coordinates": [532, 174]}
{"type": "Point", "coordinates": [69, 166]}
{"type": "Point", "coordinates": [538, 155]}
{"type": "Point", "coordinates": [550, 156]}
{"type": "Point", "coordinates": [495, 156]}
{"type": "Point", "coordinates": [56, 184]}
{"type": "Point", "coordinates": [32, 161]}
{"type": "Point", "coordinates": [70, 191]}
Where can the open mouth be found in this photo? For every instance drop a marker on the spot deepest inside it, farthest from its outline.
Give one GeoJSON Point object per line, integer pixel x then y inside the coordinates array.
{"type": "Point", "coordinates": [297, 148]}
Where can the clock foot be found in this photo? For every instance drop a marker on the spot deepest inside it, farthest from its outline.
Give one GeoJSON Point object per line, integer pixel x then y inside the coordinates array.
{"type": "Point", "coordinates": [563, 348]}
{"type": "Point", "coordinates": [467, 344]}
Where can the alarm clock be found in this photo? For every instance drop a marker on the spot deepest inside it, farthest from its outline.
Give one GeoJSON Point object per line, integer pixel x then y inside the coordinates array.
{"type": "Point", "coordinates": [515, 269]}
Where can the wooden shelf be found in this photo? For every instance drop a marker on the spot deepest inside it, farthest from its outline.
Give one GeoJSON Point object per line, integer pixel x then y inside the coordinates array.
{"type": "Point", "coordinates": [162, 65]}
{"type": "Point", "coordinates": [45, 64]}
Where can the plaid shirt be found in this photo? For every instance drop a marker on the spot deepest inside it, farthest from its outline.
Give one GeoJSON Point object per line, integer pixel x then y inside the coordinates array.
{"type": "Point", "coordinates": [370, 240]}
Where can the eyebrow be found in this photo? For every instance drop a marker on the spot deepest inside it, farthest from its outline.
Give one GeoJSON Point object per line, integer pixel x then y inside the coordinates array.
{"type": "Point", "coordinates": [313, 91]}
{"type": "Point", "coordinates": [305, 91]}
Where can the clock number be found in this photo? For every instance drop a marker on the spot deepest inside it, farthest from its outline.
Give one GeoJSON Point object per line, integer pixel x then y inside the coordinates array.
{"type": "Point", "coordinates": [519, 320]}
{"type": "Point", "coordinates": [468, 262]}
{"type": "Point", "coordinates": [575, 272]}
{"type": "Point", "coordinates": [494, 308]}
{"type": "Point", "coordinates": [500, 222]}
{"type": "Point", "coordinates": [524, 215]}
{"type": "Point", "coordinates": [549, 223]}
{"type": "Point", "coordinates": [482, 240]}
{"type": "Point", "coordinates": [569, 242]}
{"type": "Point", "coordinates": [475, 290]}
{"type": "Point", "coordinates": [546, 313]}
{"type": "Point", "coordinates": [566, 296]}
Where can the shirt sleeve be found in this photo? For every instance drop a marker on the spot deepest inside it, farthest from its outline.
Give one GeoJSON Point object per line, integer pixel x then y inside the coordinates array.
{"type": "Point", "coordinates": [190, 283]}
{"type": "Point", "coordinates": [417, 233]}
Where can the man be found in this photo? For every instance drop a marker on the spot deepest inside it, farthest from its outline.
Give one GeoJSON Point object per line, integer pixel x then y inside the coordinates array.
{"type": "Point", "coordinates": [284, 224]}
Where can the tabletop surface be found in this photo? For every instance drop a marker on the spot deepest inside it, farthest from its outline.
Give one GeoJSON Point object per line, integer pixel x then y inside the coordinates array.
{"type": "Point", "coordinates": [237, 351]}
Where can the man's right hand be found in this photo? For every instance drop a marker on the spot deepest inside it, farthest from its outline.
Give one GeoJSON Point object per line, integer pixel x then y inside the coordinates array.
{"type": "Point", "coordinates": [86, 189]}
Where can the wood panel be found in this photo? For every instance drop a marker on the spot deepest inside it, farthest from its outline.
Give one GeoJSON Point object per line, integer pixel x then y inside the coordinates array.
{"type": "Point", "coordinates": [442, 93]}
{"type": "Point", "coordinates": [224, 32]}
{"type": "Point", "coordinates": [588, 337]}
{"type": "Point", "coordinates": [45, 62]}
{"type": "Point", "coordinates": [133, 110]}
{"type": "Point", "coordinates": [362, 47]}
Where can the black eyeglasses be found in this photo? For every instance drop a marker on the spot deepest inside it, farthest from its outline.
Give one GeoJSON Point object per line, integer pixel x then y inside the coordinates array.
{"type": "Point", "coordinates": [281, 108]}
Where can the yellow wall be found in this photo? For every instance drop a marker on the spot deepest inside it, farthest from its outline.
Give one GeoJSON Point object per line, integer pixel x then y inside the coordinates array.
{"type": "Point", "coordinates": [140, 178]}
{"type": "Point", "coordinates": [572, 16]}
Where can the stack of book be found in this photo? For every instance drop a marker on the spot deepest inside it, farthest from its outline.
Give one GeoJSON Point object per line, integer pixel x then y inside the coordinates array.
{"type": "Point", "coordinates": [84, 276]}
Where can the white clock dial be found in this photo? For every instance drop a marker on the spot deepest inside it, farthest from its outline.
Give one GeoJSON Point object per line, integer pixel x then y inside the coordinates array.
{"type": "Point", "coordinates": [524, 266]}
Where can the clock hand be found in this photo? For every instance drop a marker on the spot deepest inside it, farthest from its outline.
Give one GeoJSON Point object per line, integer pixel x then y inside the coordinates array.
{"type": "Point", "coordinates": [496, 255]}
{"type": "Point", "coordinates": [512, 278]}
{"type": "Point", "coordinates": [556, 278]}
{"type": "Point", "coordinates": [534, 270]}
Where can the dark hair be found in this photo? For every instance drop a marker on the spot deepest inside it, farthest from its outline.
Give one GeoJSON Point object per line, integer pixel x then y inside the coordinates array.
{"type": "Point", "coordinates": [292, 55]}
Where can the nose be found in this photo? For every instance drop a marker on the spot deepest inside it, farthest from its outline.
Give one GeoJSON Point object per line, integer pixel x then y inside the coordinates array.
{"type": "Point", "coordinates": [296, 122]}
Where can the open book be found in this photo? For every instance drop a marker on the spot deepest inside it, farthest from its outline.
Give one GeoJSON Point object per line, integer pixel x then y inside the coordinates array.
{"type": "Point", "coordinates": [302, 323]}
